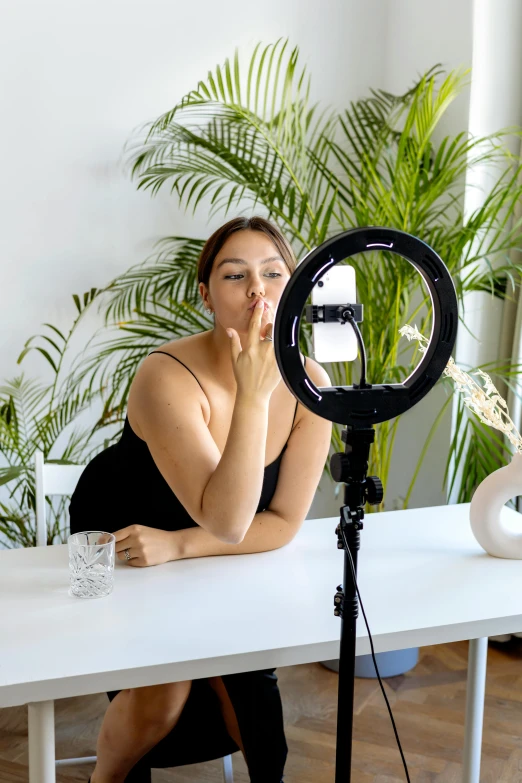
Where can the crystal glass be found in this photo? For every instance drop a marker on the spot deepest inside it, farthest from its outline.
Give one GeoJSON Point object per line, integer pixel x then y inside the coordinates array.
{"type": "Point", "coordinates": [91, 563]}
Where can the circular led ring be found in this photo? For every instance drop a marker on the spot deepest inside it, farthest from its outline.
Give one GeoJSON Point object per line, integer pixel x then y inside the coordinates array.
{"type": "Point", "coordinates": [346, 404]}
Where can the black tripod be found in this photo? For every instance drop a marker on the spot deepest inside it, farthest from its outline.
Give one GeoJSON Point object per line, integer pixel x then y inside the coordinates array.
{"type": "Point", "coordinates": [359, 407]}
{"type": "Point", "coordinates": [350, 467]}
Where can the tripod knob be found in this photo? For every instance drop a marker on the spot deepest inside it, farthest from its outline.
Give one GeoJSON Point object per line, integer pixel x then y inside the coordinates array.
{"type": "Point", "coordinates": [374, 490]}
{"type": "Point", "coordinates": [339, 601]}
{"type": "Point", "coordinates": [339, 466]}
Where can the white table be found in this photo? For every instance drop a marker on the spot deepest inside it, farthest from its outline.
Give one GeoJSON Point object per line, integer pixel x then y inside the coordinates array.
{"type": "Point", "coordinates": [423, 580]}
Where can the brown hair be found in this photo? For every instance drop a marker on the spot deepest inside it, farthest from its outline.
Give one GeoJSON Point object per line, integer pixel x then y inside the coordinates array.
{"type": "Point", "coordinates": [215, 242]}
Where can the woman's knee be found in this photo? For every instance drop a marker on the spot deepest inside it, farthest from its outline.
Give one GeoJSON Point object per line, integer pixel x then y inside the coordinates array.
{"type": "Point", "coordinates": [159, 704]}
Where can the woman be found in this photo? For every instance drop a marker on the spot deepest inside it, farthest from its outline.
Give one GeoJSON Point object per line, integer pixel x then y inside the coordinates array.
{"type": "Point", "coordinates": [197, 409]}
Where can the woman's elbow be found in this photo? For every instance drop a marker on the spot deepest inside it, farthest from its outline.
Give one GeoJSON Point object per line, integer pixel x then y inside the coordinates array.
{"type": "Point", "coordinates": [227, 534]}
{"type": "Point", "coordinates": [234, 537]}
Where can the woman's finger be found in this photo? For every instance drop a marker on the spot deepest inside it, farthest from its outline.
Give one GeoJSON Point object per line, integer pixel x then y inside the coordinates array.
{"type": "Point", "coordinates": [267, 323]}
{"type": "Point", "coordinates": [121, 546]}
{"type": "Point", "coordinates": [268, 330]}
{"type": "Point", "coordinates": [255, 323]}
{"type": "Point", "coordinates": [125, 532]}
{"type": "Point", "coordinates": [235, 344]}
{"type": "Point", "coordinates": [138, 562]}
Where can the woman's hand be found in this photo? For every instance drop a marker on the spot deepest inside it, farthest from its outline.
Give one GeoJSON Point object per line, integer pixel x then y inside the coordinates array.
{"type": "Point", "coordinates": [254, 363]}
{"type": "Point", "coordinates": [147, 546]}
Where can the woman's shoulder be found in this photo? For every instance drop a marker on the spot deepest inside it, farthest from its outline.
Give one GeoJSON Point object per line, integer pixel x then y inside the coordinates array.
{"type": "Point", "coordinates": [157, 374]}
{"type": "Point", "coordinates": [189, 350]}
{"type": "Point", "coordinates": [191, 344]}
{"type": "Point", "coordinates": [317, 372]}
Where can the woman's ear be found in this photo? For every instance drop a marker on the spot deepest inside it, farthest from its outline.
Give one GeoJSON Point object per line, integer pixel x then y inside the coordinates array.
{"type": "Point", "coordinates": [205, 297]}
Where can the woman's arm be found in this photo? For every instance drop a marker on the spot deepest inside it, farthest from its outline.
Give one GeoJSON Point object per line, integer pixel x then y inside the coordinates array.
{"type": "Point", "coordinates": [268, 531]}
{"type": "Point", "coordinates": [300, 473]}
{"type": "Point", "coordinates": [231, 496]}
{"type": "Point", "coordinates": [148, 546]}
{"type": "Point", "coordinates": [219, 491]}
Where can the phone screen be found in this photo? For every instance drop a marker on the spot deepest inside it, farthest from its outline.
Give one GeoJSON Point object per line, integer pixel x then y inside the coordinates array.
{"type": "Point", "coordinates": [335, 342]}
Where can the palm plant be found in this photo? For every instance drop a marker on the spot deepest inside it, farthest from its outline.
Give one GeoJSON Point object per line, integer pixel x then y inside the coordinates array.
{"type": "Point", "coordinates": [250, 140]}
{"type": "Point", "coordinates": [34, 416]}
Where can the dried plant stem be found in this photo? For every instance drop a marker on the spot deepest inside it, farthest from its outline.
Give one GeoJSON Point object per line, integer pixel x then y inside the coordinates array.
{"type": "Point", "coordinates": [484, 400]}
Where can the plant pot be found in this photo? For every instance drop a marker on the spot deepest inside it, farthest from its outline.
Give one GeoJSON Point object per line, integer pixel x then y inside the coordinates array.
{"type": "Point", "coordinates": [390, 664]}
{"type": "Point", "coordinates": [486, 508]}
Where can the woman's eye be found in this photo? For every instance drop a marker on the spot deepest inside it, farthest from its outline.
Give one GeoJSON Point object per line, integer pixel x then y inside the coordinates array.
{"type": "Point", "coordinates": [230, 277]}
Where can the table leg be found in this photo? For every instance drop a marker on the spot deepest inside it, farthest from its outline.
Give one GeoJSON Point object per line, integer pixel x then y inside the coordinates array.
{"type": "Point", "coordinates": [42, 758]}
{"type": "Point", "coordinates": [476, 689]}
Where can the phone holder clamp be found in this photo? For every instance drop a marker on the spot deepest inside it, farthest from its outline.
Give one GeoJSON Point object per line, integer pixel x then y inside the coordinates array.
{"type": "Point", "coordinates": [334, 313]}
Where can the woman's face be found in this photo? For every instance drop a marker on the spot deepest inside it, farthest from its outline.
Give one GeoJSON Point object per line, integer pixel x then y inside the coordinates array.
{"type": "Point", "coordinates": [248, 267]}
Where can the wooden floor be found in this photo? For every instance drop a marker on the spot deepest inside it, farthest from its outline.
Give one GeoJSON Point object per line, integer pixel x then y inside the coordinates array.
{"type": "Point", "coordinates": [428, 706]}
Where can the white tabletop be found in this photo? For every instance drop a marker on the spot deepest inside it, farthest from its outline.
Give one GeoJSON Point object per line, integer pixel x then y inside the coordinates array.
{"type": "Point", "coordinates": [422, 576]}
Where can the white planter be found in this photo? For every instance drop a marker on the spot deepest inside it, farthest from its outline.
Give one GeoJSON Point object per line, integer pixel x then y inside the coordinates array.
{"type": "Point", "coordinates": [486, 507]}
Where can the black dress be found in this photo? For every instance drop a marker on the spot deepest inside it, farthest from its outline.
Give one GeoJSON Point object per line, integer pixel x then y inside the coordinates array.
{"type": "Point", "coordinates": [122, 485]}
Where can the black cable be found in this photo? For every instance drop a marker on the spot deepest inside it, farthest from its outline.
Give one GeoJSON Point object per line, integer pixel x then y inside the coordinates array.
{"type": "Point", "coordinates": [350, 317]}
{"type": "Point", "coordinates": [347, 548]}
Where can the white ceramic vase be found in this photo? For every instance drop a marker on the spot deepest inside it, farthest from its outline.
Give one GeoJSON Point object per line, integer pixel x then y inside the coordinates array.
{"type": "Point", "coordinates": [486, 507]}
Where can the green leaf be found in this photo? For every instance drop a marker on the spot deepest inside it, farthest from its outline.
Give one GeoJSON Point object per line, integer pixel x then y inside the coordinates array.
{"type": "Point", "coordinates": [10, 473]}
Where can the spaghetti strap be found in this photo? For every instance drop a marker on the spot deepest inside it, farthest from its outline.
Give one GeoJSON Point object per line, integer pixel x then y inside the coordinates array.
{"type": "Point", "coordinates": [188, 368]}
{"type": "Point", "coordinates": [178, 360]}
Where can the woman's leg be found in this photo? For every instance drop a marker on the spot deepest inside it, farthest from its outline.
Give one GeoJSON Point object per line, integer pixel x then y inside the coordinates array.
{"type": "Point", "coordinates": [257, 704]}
{"type": "Point", "coordinates": [135, 721]}
{"type": "Point", "coordinates": [227, 710]}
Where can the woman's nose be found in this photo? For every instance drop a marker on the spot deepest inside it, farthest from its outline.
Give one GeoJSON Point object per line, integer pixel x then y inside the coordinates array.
{"type": "Point", "coordinates": [257, 290]}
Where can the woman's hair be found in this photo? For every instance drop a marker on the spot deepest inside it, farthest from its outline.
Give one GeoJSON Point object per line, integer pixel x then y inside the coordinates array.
{"type": "Point", "coordinates": [215, 242]}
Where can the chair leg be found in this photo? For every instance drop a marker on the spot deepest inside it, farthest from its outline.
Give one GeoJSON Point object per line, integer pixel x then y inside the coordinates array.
{"type": "Point", "coordinates": [228, 774]}
{"type": "Point", "coordinates": [76, 762]}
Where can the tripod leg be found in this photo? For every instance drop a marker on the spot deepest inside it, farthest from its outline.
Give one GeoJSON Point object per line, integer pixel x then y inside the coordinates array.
{"type": "Point", "coordinates": [476, 688]}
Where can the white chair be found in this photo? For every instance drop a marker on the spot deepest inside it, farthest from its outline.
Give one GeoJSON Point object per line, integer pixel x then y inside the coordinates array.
{"type": "Point", "coordinates": [61, 480]}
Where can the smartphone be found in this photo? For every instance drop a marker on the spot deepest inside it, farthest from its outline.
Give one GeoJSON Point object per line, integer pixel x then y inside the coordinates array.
{"type": "Point", "coordinates": [335, 342]}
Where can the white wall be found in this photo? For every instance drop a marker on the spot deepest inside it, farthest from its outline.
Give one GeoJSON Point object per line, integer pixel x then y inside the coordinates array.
{"type": "Point", "coordinates": [82, 76]}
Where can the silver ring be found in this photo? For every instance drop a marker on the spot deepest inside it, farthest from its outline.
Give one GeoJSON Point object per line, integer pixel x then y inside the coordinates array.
{"type": "Point", "coordinates": [127, 554]}
{"type": "Point", "coordinates": [270, 340]}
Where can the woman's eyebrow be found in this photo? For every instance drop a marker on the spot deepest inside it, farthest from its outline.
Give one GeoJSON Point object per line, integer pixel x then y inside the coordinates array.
{"type": "Point", "coordinates": [244, 263]}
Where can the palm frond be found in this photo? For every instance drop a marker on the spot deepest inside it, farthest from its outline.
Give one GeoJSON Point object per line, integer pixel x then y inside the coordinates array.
{"type": "Point", "coordinates": [17, 529]}
{"type": "Point", "coordinates": [107, 366]}
{"type": "Point", "coordinates": [169, 275]}
{"type": "Point", "coordinates": [261, 150]}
